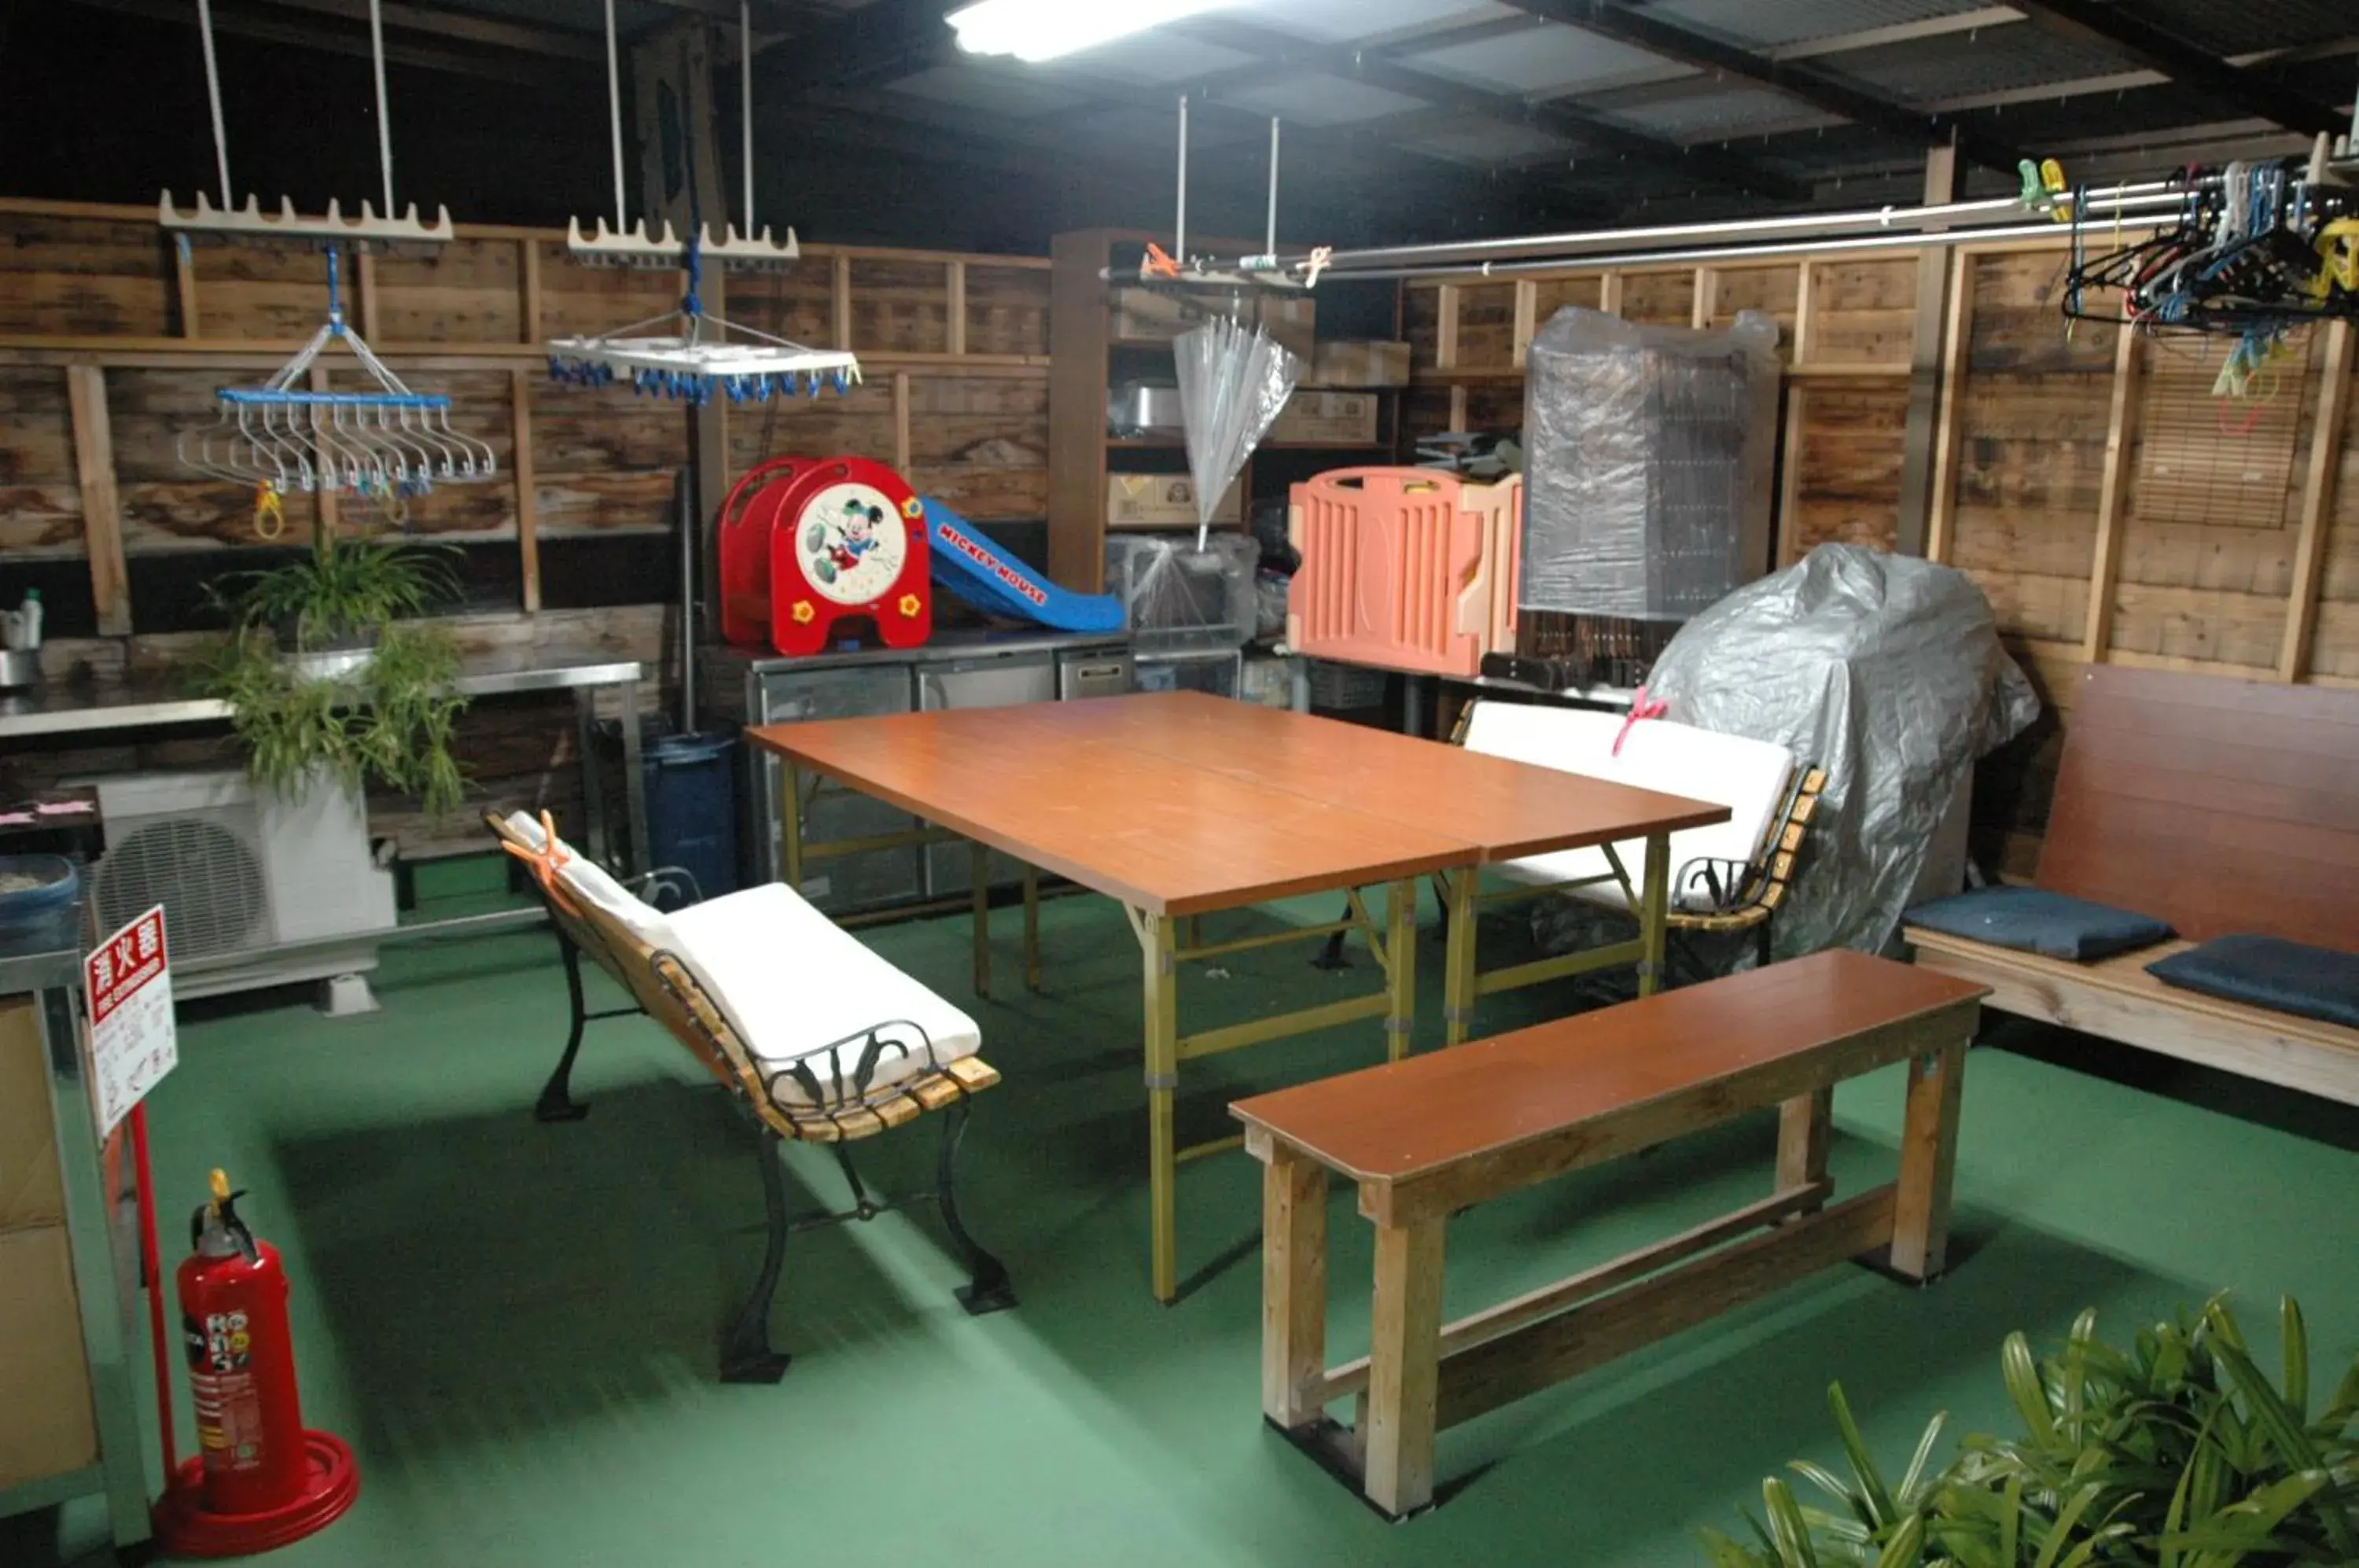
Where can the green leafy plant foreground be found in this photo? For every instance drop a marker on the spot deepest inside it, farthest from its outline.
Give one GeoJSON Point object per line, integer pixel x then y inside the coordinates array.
{"type": "Point", "coordinates": [2178, 1452]}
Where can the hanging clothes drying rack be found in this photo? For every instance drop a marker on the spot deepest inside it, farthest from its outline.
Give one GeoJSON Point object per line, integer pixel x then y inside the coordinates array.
{"type": "Point", "coordinates": [703, 355]}
{"type": "Point", "coordinates": [285, 436]}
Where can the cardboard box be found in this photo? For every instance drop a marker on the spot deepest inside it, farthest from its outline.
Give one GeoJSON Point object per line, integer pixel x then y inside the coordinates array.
{"type": "Point", "coordinates": [1343, 418]}
{"type": "Point", "coordinates": [1152, 315]}
{"type": "Point", "coordinates": [46, 1423]}
{"type": "Point", "coordinates": [1165, 501]}
{"type": "Point", "coordinates": [32, 1192]}
{"type": "Point", "coordinates": [1360, 363]}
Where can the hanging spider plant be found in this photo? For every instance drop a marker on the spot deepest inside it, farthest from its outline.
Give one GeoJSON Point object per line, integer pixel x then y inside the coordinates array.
{"type": "Point", "coordinates": [325, 677]}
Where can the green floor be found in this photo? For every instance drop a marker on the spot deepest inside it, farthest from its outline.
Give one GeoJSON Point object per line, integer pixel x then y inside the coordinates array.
{"type": "Point", "coordinates": [514, 1324]}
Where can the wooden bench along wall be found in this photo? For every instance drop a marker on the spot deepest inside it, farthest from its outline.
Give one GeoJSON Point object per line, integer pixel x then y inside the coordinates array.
{"type": "Point", "coordinates": [1425, 1137]}
{"type": "Point", "coordinates": [2220, 806]}
{"type": "Point", "coordinates": [2113, 510]}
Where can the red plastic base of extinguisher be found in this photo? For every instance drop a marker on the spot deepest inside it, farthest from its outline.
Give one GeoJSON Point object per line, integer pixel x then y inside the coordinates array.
{"type": "Point", "coordinates": [185, 1527]}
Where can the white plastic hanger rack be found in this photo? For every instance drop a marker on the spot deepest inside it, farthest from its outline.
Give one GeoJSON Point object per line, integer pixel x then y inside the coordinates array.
{"type": "Point", "coordinates": [250, 221]}
{"type": "Point", "coordinates": [702, 357]}
{"type": "Point", "coordinates": [629, 244]}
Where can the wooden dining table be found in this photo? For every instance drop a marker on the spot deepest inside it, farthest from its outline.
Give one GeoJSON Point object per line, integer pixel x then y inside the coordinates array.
{"type": "Point", "coordinates": [1178, 805]}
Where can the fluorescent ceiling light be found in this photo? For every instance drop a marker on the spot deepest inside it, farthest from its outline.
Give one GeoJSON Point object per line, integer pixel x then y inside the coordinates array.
{"type": "Point", "coordinates": [1044, 29]}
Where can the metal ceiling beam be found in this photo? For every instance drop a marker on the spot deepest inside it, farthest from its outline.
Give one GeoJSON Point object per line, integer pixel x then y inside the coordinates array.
{"type": "Point", "coordinates": [465, 27]}
{"type": "Point", "coordinates": [1716, 167]}
{"type": "Point", "coordinates": [1647, 31]}
{"type": "Point", "coordinates": [2117, 27]}
{"type": "Point", "coordinates": [507, 68]}
{"type": "Point", "coordinates": [881, 41]}
{"type": "Point", "coordinates": [1896, 33]}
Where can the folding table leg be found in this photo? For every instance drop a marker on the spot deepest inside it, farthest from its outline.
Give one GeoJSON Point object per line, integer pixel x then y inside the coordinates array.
{"type": "Point", "coordinates": [1404, 1366]}
{"type": "Point", "coordinates": [1458, 987]}
{"type": "Point", "coordinates": [1160, 994]}
{"type": "Point", "coordinates": [980, 857]}
{"type": "Point", "coordinates": [1929, 1163]}
{"type": "Point", "coordinates": [1032, 928]}
{"type": "Point", "coordinates": [1654, 912]}
{"type": "Point", "coordinates": [1400, 982]}
{"type": "Point", "coordinates": [790, 824]}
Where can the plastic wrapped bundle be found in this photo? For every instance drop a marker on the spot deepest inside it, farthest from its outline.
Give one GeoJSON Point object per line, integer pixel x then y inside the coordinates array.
{"type": "Point", "coordinates": [1649, 458]}
{"type": "Point", "coordinates": [1177, 598]}
{"type": "Point", "coordinates": [1886, 672]}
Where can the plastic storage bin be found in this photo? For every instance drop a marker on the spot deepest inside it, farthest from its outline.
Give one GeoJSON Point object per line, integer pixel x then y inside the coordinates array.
{"type": "Point", "coordinates": [1214, 674]}
{"type": "Point", "coordinates": [691, 791]}
{"type": "Point", "coordinates": [1404, 569]}
{"type": "Point", "coordinates": [35, 890]}
{"type": "Point", "coordinates": [1178, 599]}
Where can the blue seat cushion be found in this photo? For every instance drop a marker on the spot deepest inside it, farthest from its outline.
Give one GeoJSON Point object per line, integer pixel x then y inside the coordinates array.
{"type": "Point", "coordinates": [2269, 971]}
{"type": "Point", "coordinates": [2032, 919]}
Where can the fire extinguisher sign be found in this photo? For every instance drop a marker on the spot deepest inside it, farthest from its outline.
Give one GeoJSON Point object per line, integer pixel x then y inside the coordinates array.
{"type": "Point", "coordinates": [133, 1041]}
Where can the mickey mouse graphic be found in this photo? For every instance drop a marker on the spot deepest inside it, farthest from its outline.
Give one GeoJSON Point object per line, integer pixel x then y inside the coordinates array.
{"type": "Point", "coordinates": [857, 534]}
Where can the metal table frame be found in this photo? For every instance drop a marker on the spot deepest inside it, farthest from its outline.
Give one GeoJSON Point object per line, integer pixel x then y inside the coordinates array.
{"type": "Point", "coordinates": [108, 1301]}
{"type": "Point", "coordinates": [1166, 941]}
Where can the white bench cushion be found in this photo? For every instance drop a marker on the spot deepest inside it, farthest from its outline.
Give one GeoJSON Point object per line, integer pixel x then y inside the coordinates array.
{"type": "Point", "coordinates": [793, 981]}
{"type": "Point", "coordinates": [1749, 777]}
{"type": "Point", "coordinates": [789, 980]}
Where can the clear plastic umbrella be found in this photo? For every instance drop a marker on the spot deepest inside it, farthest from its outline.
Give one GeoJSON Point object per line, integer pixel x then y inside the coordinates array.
{"type": "Point", "coordinates": [1233, 381]}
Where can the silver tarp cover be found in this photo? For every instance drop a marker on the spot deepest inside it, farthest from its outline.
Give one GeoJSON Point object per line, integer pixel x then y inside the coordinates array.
{"type": "Point", "coordinates": [1886, 672]}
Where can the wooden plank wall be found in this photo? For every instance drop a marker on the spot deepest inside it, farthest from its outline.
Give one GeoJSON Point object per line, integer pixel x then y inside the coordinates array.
{"type": "Point", "coordinates": [113, 337]}
{"type": "Point", "coordinates": [2110, 506]}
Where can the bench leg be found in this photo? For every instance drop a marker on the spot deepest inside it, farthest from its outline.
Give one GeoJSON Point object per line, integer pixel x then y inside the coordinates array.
{"type": "Point", "coordinates": [1032, 928]}
{"type": "Point", "coordinates": [1804, 1127]}
{"type": "Point", "coordinates": [746, 1353]}
{"type": "Point", "coordinates": [1160, 992]}
{"type": "Point", "coordinates": [1928, 1160]}
{"type": "Point", "coordinates": [1459, 916]}
{"type": "Point", "coordinates": [556, 1103]}
{"type": "Point", "coordinates": [1293, 1287]}
{"type": "Point", "coordinates": [1401, 981]}
{"type": "Point", "coordinates": [987, 1288]}
{"type": "Point", "coordinates": [980, 857]}
{"type": "Point", "coordinates": [1404, 1366]}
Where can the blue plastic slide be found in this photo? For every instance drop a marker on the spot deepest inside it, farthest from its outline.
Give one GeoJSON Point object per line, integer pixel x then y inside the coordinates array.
{"type": "Point", "coordinates": [971, 566]}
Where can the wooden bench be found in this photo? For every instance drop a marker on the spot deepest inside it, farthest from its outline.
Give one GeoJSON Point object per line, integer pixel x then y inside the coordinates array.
{"type": "Point", "coordinates": [1435, 1134]}
{"type": "Point", "coordinates": [2220, 806]}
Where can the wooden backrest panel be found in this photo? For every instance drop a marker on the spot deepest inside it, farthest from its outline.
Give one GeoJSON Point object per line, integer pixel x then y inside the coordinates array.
{"type": "Point", "coordinates": [1411, 1119]}
{"type": "Point", "coordinates": [2216, 804]}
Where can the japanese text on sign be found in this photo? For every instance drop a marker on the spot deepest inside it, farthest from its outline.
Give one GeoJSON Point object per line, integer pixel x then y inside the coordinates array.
{"type": "Point", "coordinates": [133, 1041]}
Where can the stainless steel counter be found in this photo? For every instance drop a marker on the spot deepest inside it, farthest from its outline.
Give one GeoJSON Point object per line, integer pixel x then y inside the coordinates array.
{"type": "Point", "coordinates": [65, 708]}
{"type": "Point", "coordinates": [70, 708]}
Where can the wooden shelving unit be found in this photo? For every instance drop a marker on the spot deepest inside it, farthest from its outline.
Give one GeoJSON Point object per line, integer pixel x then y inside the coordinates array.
{"type": "Point", "coordinates": [1083, 348]}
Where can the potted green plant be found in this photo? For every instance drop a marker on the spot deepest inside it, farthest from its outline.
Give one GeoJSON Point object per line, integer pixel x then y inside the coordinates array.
{"type": "Point", "coordinates": [324, 675]}
{"type": "Point", "coordinates": [2176, 1450]}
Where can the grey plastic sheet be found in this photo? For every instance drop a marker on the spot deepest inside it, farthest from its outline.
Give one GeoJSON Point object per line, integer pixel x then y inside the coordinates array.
{"type": "Point", "coordinates": [1884, 670]}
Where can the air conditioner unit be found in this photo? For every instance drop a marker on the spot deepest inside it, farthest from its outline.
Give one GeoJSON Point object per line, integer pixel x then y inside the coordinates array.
{"type": "Point", "coordinates": [243, 872]}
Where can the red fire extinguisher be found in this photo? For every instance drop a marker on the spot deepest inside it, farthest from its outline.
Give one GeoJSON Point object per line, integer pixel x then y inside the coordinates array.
{"type": "Point", "coordinates": [241, 1365]}
{"type": "Point", "coordinates": [259, 1479]}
